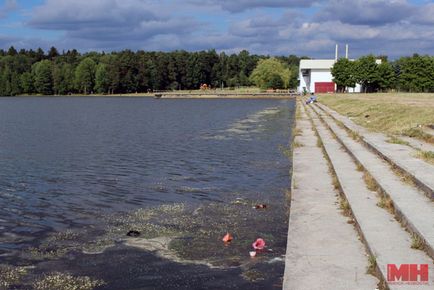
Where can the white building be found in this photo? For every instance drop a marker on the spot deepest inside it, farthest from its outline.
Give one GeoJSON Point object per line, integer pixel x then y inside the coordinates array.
{"type": "Point", "coordinates": [315, 76]}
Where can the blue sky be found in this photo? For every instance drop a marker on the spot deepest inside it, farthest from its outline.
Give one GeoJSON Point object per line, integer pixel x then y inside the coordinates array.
{"type": "Point", "coordinates": [275, 27]}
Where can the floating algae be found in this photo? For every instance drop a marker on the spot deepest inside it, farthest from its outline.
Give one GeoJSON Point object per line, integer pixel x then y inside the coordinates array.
{"type": "Point", "coordinates": [183, 234]}
{"type": "Point", "coordinates": [55, 246]}
{"type": "Point", "coordinates": [252, 124]}
{"type": "Point", "coordinates": [11, 275]}
{"type": "Point", "coordinates": [186, 235]}
{"type": "Point", "coordinates": [97, 246]}
{"type": "Point", "coordinates": [160, 246]}
{"type": "Point", "coordinates": [61, 281]}
{"type": "Point", "coordinates": [253, 275]}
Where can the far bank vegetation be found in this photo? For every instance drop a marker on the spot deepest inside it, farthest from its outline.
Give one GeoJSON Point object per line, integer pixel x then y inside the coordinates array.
{"type": "Point", "coordinates": [30, 72]}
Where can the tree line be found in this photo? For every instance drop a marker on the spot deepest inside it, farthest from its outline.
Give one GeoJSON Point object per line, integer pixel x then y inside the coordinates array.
{"type": "Point", "coordinates": [70, 72]}
{"type": "Point", "coordinates": [409, 74]}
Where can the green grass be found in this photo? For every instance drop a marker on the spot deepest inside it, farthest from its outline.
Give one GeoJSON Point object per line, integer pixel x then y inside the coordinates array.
{"type": "Point", "coordinates": [370, 182]}
{"type": "Point", "coordinates": [372, 265]}
{"type": "Point", "coordinates": [396, 140]}
{"type": "Point", "coordinates": [345, 207]}
{"type": "Point", "coordinates": [428, 156]}
{"type": "Point", "coordinates": [386, 203]}
{"type": "Point", "coordinates": [419, 134]}
{"type": "Point", "coordinates": [416, 242]}
{"type": "Point", "coordinates": [395, 114]}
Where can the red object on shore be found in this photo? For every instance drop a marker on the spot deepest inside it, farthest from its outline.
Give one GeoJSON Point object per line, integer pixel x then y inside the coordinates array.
{"type": "Point", "coordinates": [227, 238]}
{"type": "Point", "coordinates": [259, 244]}
{"type": "Point", "coordinates": [324, 87]}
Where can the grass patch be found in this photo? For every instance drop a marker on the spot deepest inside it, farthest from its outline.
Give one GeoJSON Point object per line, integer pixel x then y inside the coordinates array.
{"type": "Point", "coordinates": [319, 142]}
{"type": "Point", "coordinates": [298, 132]}
{"type": "Point", "coordinates": [396, 140]}
{"type": "Point", "coordinates": [427, 156]}
{"type": "Point", "coordinates": [370, 182]}
{"type": "Point", "coordinates": [345, 207]}
{"type": "Point", "coordinates": [297, 112]}
{"type": "Point", "coordinates": [403, 176]}
{"type": "Point", "coordinates": [296, 144]}
{"type": "Point", "coordinates": [335, 182]}
{"type": "Point", "coordinates": [372, 265]}
{"type": "Point", "coordinates": [359, 167]}
{"type": "Point", "coordinates": [354, 135]}
{"type": "Point", "coordinates": [419, 134]}
{"type": "Point", "coordinates": [394, 114]}
{"type": "Point", "coordinates": [417, 243]}
{"type": "Point", "coordinates": [386, 203]}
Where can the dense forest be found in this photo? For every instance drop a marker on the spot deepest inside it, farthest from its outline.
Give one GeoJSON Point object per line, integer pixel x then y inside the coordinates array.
{"type": "Point", "coordinates": [70, 72]}
{"type": "Point", "coordinates": [38, 72]}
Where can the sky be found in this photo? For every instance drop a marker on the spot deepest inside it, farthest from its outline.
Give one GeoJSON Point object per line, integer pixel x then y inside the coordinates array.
{"type": "Point", "coordinates": [274, 27]}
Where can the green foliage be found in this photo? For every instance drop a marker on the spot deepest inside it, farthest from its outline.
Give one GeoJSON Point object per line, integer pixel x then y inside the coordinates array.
{"type": "Point", "coordinates": [275, 82]}
{"type": "Point", "coordinates": [270, 72]}
{"type": "Point", "coordinates": [42, 74]}
{"type": "Point", "coordinates": [102, 80]}
{"type": "Point", "coordinates": [26, 82]}
{"type": "Point", "coordinates": [34, 71]}
{"type": "Point", "coordinates": [293, 79]}
{"type": "Point", "coordinates": [416, 73]}
{"type": "Point", "coordinates": [387, 76]}
{"type": "Point", "coordinates": [410, 74]}
{"type": "Point", "coordinates": [85, 75]}
{"type": "Point", "coordinates": [366, 73]}
{"type": "Point", "coordinates": [63, 79]}
{"type": "Point", "coordinates": [343, 73]}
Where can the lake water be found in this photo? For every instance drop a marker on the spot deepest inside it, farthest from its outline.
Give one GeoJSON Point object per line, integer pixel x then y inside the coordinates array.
{"type": "Point", "coordinates": [67, 164]}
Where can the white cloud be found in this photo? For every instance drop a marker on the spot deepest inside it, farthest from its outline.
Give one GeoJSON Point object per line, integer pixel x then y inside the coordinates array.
{"type": "Point", "coordinates": [8, 6]}
{"type": "Point", "coordinates": [394, 27]}
{"type": "Point", "coordinates": [243, 5]}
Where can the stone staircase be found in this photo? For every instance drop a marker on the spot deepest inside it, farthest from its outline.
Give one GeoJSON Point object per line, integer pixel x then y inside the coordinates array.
{"type": "Point", "coordinates": [386, 191]}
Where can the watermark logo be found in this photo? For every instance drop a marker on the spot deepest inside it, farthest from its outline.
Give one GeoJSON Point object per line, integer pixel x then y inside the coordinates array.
{"type": "Point", "coordinates": [409, 274]}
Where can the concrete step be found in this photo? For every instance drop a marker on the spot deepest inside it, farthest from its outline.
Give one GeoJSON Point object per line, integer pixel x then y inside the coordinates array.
{"type": "Point", "coordinates": [429, 130]}
{"type": "Point", "coordinates": [411, 206]}
{"type": "Point", "coordinates": [385, 239]}
{"type": "Point", "coordinates": [399, 155]}
{"type": "Point", "coordinates": [417, 144]}
{"type": "Point", "coordinates": [323, 251]}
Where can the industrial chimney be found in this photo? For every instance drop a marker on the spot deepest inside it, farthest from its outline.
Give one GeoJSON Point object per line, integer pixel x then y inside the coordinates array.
{"type": "Point", "coordinates": [336, 52]}
{"type": "Point", "coordinates": [346, 51]}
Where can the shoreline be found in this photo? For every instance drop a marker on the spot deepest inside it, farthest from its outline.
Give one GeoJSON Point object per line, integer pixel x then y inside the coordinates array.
{"type": "Point", "coordinates": [175, 96]}
{"type": "Point", "coordinates": [225, 96]}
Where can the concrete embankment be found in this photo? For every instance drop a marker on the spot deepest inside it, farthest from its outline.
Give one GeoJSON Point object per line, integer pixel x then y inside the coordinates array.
{"type": "Point", "coordinates": [385, 191]}
{"type": "Point", "coordinates": [323, 251]}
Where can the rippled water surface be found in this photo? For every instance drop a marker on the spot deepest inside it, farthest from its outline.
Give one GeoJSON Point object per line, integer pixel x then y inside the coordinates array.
{"type": "Point", "coordinates": [65, 163]}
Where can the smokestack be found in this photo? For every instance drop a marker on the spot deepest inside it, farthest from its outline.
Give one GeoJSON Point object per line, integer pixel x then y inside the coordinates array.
{"type": "Point", "coordinates": [336, 52]}
{"type": "Point", "coordinates": [346, 51]}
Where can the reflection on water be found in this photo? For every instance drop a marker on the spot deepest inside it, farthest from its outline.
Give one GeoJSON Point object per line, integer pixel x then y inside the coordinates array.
{"type": "Point", "coordinates": [67, 163]}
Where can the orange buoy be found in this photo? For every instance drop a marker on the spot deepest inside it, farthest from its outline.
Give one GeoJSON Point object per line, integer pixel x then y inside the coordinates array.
{"type": "Point", "coordinates": [227, 238]}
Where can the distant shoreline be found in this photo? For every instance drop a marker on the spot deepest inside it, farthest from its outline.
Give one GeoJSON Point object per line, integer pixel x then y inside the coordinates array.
{"type": "Point", "coordinates": [193, 95]}
{"type": "Point", "coordinates": [225, 96]}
